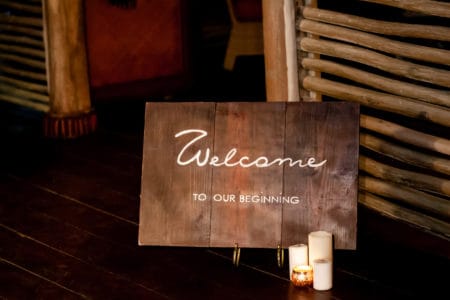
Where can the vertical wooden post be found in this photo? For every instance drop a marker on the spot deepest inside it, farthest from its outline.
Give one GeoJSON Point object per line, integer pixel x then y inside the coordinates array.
{"type": "Point", "coordinates": [275, 50]}
{"type": "Point", "coordinates": [280, 50]}
{"type": "Point", "coordinates": [71, 114]}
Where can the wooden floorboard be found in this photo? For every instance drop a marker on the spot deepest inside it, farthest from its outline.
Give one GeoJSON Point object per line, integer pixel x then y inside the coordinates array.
{"type": "Point", "coordinates": [20, 283]}
{"type": "Point", "coordinates": [96, 188]}
{"type": "Point", "coordinates": [66, 270]}
{"type": "Point", "coordinates": [37, 220]}
{"type": "Point", "coordinates": [16, 196]}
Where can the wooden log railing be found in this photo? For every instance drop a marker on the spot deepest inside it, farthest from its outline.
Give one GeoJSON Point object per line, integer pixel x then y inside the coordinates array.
{"type": "Point", "coordinates": [395, 211]}
{"type": "Point", "coordinates": [376, 60]}
{"type": "Point", "coordinates": [34, 8]}
{"type": "Point", "coordinates": [403, 87]}
{"type": "Point", "coordinates": [436, 8]}
{"type": "Point", "coordinates": [23, 78]}
{"type": "Point", "coordinates": [376, 42]}
{"type": "Point", "coordinates": [383, 101]}
{"type": "Point", "coordinates": [387, 28]}
{"type": "Point", "coordinates": [406, 135]}
{"type": "Point", "coordinates": [406, 155]}
{"type": "Point", "coordinates": [391, 86]}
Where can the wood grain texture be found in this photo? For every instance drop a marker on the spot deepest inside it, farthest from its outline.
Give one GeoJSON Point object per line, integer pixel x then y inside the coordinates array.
{"type": "Point", "coordinates": [440, 33]}
{"type": "Point", "coordinates": [435, 8]}
{"type": "Point", "coordinates": [395, 87]}
{"type": "Point", "coordinates": [251, 195]}
{"type": "Point", "coordinates": [275, 51]}
{"type": "Point", "coordinates": [168, 188]}
{"type": "Point", "coordinates": [374, 59]}
{"type": "Point", "coordinates": [256, 130]}
{"type": "Point", "coordinates": [373, 41]}
{"type": "Point", "coordinates": [67, 68]}
{"type": "Point", "coordinates": [328, 194]}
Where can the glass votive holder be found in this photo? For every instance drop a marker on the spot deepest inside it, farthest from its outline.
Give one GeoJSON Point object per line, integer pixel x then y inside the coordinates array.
{"type": "Point", "coordinates": [302, 276]}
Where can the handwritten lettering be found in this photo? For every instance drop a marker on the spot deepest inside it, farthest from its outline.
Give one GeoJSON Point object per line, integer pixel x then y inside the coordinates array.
{"type": "Point", "coordinates": [230, 160]}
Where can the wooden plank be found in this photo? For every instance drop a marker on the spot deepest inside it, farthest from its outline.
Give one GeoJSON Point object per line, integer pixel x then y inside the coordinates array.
{"type": "Point", "coordinates": [66, 270]}
{"type": "Point", "coordinates": [183, 219]}
{"type": "Point", "coordinates": [175, 272]}
{"type": "Point", "coordinates": [255, 129]}
{"type": "Point", "coordinates": [84, 188]}
{"type": "Point", "coordinates": [120, 154]}
{"type": "Point", "coordinates": [19, 283]}
{"type": "Point", "coordinates": [80, 179]}
{"type": "Point", "coordinates": [16, 196]}
{"type": "Point", "coordinates": [62, 172]}
{"type": "Point", "coordinates": [119, 182]}
{"type": "Point", "coordinates": [329, 131]}
{"type": "Point", "coordinates": [242, 174]}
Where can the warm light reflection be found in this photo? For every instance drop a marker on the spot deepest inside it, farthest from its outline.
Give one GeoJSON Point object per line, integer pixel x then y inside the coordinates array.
{"type": "Point", "coordinates": [302, 276]}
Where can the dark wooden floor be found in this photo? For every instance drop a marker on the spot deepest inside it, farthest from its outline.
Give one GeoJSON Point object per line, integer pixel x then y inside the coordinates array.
{"type": "Point", "coordinates": [69, 221]}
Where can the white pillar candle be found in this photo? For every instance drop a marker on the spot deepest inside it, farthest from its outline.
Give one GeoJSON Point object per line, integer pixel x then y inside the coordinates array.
{"type": "Point", "coordinates": [320, 245]}
{"type": "Point", "coordinates": [298, 256]}
{"type": "Point", "coordinates": [322, 274]}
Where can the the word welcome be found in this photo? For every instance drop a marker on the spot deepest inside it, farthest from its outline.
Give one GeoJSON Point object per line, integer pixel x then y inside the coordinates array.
{"type": "Point", "coordinates": [230, 161]}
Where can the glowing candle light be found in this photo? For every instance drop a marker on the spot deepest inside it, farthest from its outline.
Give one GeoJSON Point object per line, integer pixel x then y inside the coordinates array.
{"type": "Point", "coordinates": [302, 276]}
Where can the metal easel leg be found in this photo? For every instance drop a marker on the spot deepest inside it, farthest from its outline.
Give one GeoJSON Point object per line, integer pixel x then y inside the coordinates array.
{"type": "Point", "coordinates": [280, 256]}
{"type": "Point", "coordinates": [236, 255]}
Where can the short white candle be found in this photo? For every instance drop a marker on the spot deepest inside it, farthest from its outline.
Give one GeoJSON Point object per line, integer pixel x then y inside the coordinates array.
{"type": "Point", "coordinates": [298, 256]}
{"type": "Point", "coordinates": [320, 246]}
{"type": "Point", "coordinates": [322, 274]}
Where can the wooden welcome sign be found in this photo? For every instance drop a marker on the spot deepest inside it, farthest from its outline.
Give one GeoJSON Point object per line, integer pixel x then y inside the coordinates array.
{"type": "Point", "coordinates": [258, 174]}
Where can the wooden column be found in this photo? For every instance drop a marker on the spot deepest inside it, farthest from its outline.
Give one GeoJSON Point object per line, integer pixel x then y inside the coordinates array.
{"type": "Point", "coordinates": [71, 114]}
{"type": "Point", "coordinates": [280, 50]}
{"type": "Point", "coordinates": [275, 50]}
